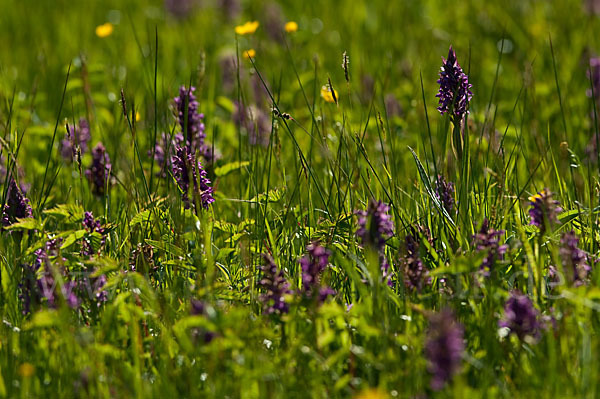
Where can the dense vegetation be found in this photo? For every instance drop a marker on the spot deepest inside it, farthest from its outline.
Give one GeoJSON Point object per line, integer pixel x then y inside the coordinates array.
{"type": "Point", "coordinates": [362, 199]}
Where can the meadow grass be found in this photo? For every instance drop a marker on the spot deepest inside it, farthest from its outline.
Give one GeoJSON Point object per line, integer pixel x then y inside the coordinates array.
{"type": "Point", "coordinates": [360, 243]}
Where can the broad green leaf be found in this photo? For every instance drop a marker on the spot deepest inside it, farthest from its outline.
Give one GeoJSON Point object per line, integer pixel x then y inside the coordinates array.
{"type": "Point", "coordinates": [71, 212]}
{"type": "Point", "coordinates": [42, 319]}
{"type": "Point", "coordinates": [72, 238]}
{"type": "Point", "coordinates": [225, 103]}
{"type": "Point", "coordinates": [26, 224]}
{"type": "Point", "coordinates": [230, 167]}
{"type": "Point", "coordinates": [273, 195]}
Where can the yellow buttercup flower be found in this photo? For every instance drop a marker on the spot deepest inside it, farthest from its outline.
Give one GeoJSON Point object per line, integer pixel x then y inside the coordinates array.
{"type": "Point", "coordinates": [326, 94]}
{"type": "Point", "coordinates": [372, 393]}
{"type": "Point", "coordinates": [250, 53]}
{"type": "Point", "coordinates": [539, 195]}
{"type": "Point", "coordinates": [104, 30]}
{"type": "Point", "coordinates": [291, 27]}
{"type": "Point", "coordinates": [26, 370]}
{"type": "Point", "coordinates": [137, 116]}
{"type": "Point", "coordinates": [247, 29]}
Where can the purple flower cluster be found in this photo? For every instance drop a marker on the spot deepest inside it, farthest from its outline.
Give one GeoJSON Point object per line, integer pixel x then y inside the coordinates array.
{"type": "Point", "coordinates": [39, 281]}
{"type": "Point", "coordinates": [161, 151]}
{"type": "Point", "coordinates": [76, 139]}
{"type": "Point", "coordinates": [275, 288]}
{"type": "Point", "coordinates": [552, 278]}
{"type": "Point", "coordinates": [443, 348]}
{"type": "Point", "coordinates": [29, 289]}
{"type": "Point", "coordinates": [455, 90]}
{"type": "Point", "coordinates": [190, 135]}
{"type": "Point", "coordinates": [375, 226]}
{"type": "Point", "coordinates": [574, 259]}
{"type": "Point", "coordinates": [181, 164]}
{"type": "Point", "coordinates": [520, 317]}
{"type": "Point", "coordinates": [91, 225]}
{"type": "Point", "coordinates": [488, 240]}
{"type": "Point", "coordinates": [191, 122]}
{"type": "Point", "coordinates": [34, 287]}
{"type": "Point", "coordinates": [544, 210]}
{"type": "Point", "coordinates": [313, 264]}
{"type": "Point", "coordinates": [444, 191]}
{"type": "Point", "coordinates": [256, 122]}
{"type": "Point", "coordinates": [16, 206]}
{"type": "Point", "coordinates": [99, 171]}
{"type": "Point", "coordinates": [186, 168]}
{"type": "Point", "coordinates": [198, 308]}
{"type": "Point", "coordinates": [98, 283]}
{"type": "Point", "coordinates": [416, 275]}
{"type": "Point", "coordinates": [39, 285]}
{"type": "Point", "coordinates": [189, 119]}
{"type": "Point", "coordinates": [164, 149]}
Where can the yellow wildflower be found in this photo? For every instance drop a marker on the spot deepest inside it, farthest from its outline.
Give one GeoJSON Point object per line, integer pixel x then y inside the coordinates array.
{"type": "Point", "coordinates": [326, 94]}
{"type": "Point", "coordinates": [372, 393]}
{"type": "Point", "coordinates": [104, 30]}
{"type": "Point", "coordinates": [247, 29]}
{"type": "Point", "coordinates": [26, 370]}
{"type": "Point", "coordinates": [539, 195]}
{"type": "Point", "coordinates": [137, 116]}
{"type": "Point", "coordinates": [250, 53]}
{"type": "Point", "coordinates": [291, 27]}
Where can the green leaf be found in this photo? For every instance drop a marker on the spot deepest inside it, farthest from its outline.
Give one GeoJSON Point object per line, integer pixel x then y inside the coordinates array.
{"type": "Point", "coordinates": [566, 217]}
{"type": "Point", "coordinates": [72, 238]}
{"type": "Point", "coordinates": [230, 167]}
{"type": "Point", "coordinates": [95, 240]}
{"type": "Point", "coordinates": [26, 224]}
{"type": "Point", "coordinates": [102, 265]}
{"type": "Point", "coordinates": [108, 350]}
{"type": "Point", "coordinates": [225, 103]}
{"type": "Point", "coordinates": [245, 224]}
{"type": "Point", "coordinates": [342, 382]}
{"type": "Point", "coordinates": [72, 213]}
{"type": "Point", "coordinates": [273, 195]}
{"type": "Point", "coordinates": [462, 264]}
{"type": "Point", "coordinates": [146, 216]}
{"type": "Point", "coordinates": [225, 226]}
{"type": "Point", "coordinates": [137, 284]}
{"type": "Point", "coordinates": [225, 252]}
{"type": "Point", "coordinates": [42, 319]}
{"type": "Point", "coordinates": [141, 217]}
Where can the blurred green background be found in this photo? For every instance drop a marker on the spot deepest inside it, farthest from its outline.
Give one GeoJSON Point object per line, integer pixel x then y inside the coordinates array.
{"type": "Point", "coordinates": [390, 45]}
{"type": "Point", "coordinates": [534, 54]}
